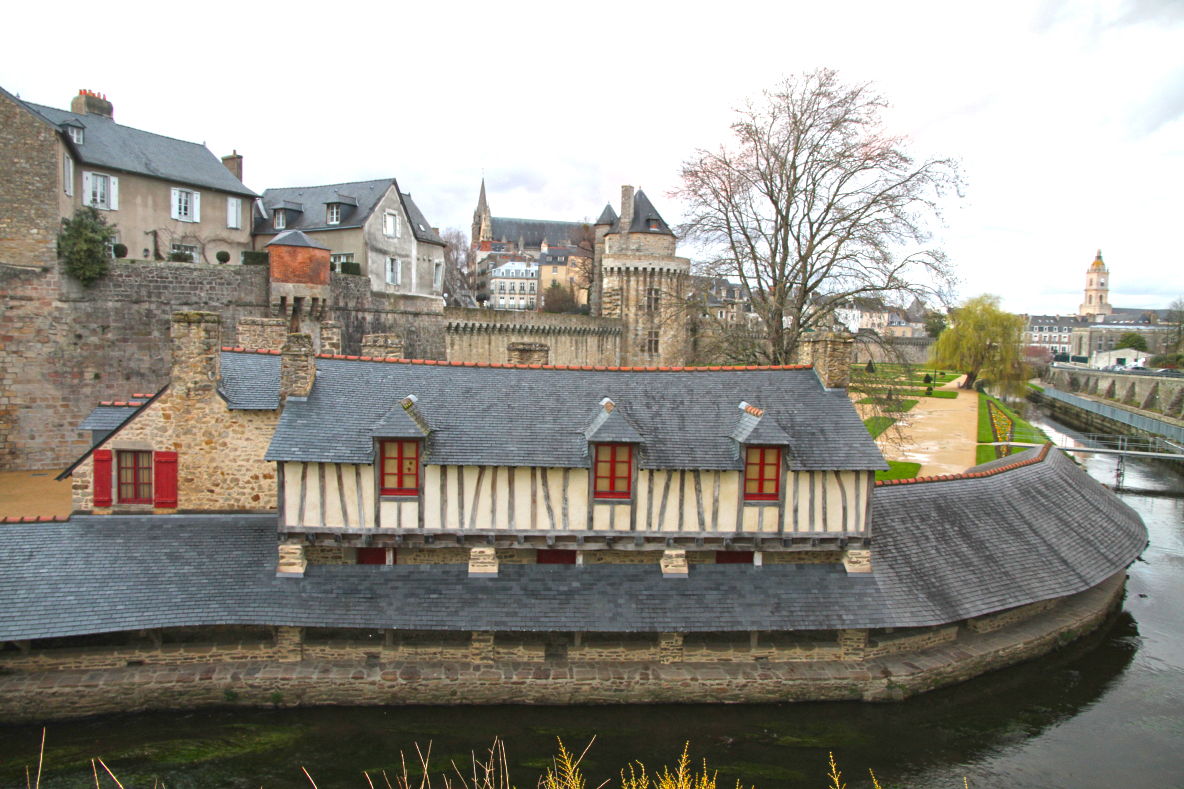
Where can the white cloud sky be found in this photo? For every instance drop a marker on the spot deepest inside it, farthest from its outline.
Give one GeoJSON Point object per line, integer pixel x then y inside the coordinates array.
{"type": "Point", "coordinates": [1067, 116]}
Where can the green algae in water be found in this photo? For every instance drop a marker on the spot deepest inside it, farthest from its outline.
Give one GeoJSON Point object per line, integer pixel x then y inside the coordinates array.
{"type": "Point", "coordinates": [749, 772]}
{"type": "Point", "coordinates": [240, 739]}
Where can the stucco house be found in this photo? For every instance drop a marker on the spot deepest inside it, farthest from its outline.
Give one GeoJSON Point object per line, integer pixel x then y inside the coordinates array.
{"type": "Point", "coordinates": [164, 195]}
{"type": "Point", "coordinates": [368, 224]}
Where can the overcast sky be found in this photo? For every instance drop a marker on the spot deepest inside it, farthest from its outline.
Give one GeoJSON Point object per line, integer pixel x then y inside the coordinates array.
{"type": "Point", "coordinates": [1066, 115]}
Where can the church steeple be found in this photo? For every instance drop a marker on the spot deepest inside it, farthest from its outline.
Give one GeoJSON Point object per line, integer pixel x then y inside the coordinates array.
{"type": "Point", "coordinates": [1097, 290]}
{"type": "Point", "coordinates": [482, 219]}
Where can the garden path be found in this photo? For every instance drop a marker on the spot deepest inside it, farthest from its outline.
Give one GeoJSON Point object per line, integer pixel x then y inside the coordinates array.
{"type": "Point", "coordinates": [940, 434]}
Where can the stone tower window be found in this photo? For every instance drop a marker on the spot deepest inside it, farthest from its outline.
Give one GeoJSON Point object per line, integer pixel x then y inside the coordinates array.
{"type": "Point", "coordinates": [651, 342]}
{"type": "Point", "coordinates": [653, 297]}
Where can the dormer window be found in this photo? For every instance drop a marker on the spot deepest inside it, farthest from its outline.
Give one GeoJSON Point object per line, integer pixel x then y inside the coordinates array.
{"type": "Point", "coordinates": [333, 214]}
{"type": "Point", "coordinates": [400, 468]}
{"type": "Point", "coordinates": [279, 219]}
{"type": "Point", "coordinates": [653, 224]}
{"type": "Point", "coordinates": [612, 471]}
{"type": "Point", "coordinates": [762, 473]}
{"type": "Point", "coordinates": [76, 134]}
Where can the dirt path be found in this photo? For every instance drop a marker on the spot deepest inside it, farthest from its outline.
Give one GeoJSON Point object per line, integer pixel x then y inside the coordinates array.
{"type": "Point", "coordinates": [26, 494]}
{"type": "Point", "coordinates": [939, 434]}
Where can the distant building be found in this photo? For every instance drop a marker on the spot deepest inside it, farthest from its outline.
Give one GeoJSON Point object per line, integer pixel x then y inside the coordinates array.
{"type": "Point", "coordinates": [514, 286]}
{"type": "Point", "coordinates": [1052, 332]}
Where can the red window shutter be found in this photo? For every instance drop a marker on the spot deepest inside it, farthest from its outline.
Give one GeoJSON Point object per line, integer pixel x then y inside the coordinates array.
{"type": "Point", "coordinates": [165, 479]}
{"type": "Point", "coordinates": [102, 489]}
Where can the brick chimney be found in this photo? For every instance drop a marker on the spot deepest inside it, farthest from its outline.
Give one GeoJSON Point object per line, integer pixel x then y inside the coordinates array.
{"type": "Point", "coordinates": [234, 163]}
{"type": "Point", "coordinates": [197, 343]}
{"type": "Point", "coordinates": [87, 102]}
{"type": "Point", "coordinates": [298, 367]}
{"type": "Point", "coordinates": [626, 208]}
{"type": "Point", "coordinates": [831, 353]}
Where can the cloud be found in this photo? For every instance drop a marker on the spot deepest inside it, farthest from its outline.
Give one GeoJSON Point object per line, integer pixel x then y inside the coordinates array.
{"type": "Point", "coordinates": [1164, 107]}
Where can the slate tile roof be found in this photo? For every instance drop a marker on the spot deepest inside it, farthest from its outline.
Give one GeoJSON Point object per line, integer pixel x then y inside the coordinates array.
{"type": "Point", "coordinates": [106, 143]}
{"type": "Point", "coordinates": [533, 232]}
{"type": "Point", "coordinates": [109, 417]}
{"type": "Point", "coordinates": [358, 200]}
{"type": "Point", "coordinates": [250, 381]}
{"type": "Point", "coordinates": [943, 552]}
{"type": "Point", "coordinates": [685, 416]}
{"type": "Point", "coordinates": [643, 212]}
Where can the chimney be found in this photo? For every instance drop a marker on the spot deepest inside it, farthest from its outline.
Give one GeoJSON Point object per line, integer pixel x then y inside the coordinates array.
{"type": "Point", "coordinates": [87, 102]}
{"type": "Point", "coordinates": [234, 163]}
{"type": "Point", "coordinates": [298, 367]}
{"type": "Point", "coordinates": [831, 353]}
{"type": "Point", "coordinates": [330, 337]}
{"type": "Point", "coordinates": [626, 208]}
{"type": "Point", "coordinates": [197, 343]}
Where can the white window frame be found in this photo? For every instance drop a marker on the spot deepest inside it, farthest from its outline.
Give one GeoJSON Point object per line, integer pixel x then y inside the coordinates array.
{"type": "Point", "coordinates": [234, 213]}
{"type": "Point", "coordinates": [394, 271]}
{"type": "Point", "coordinates": [100, 190]}
{"type": "Point", "coordinates": [194, 252]}
{"type": "Point", "coordinates": [185, 205]}
{"type": "Point", "coordinates": [333, 214]}
{"type": "Point", "coordinates": [279, 219]}
{"type": "Point", "coordinates": [77, 134]}
{"type": "Point", "coordinates": [68, 173]}
{"type": "Point", "coordinates": [390, 224]}
{"type": "Point", "coordinates": [437, 276]}
{"type": "Point", "coordinates": [341, 257]}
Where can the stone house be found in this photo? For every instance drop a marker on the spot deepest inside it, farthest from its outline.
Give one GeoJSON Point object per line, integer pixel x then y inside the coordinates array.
{"type": "Point", "coordinates": [368, 224]}
{"type": "Point", "coordinates": [163, 195]}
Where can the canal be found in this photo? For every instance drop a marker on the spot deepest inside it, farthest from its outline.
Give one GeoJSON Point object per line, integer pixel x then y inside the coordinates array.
{"type": "Point", "coordinates": [1105, 712]}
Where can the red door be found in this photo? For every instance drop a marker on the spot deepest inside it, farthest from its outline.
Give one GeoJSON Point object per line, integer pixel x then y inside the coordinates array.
{"type": "Point", "coordinates": [733, 557]}
{"type": "Point", "coordinates": [547, 556]}
{"type": "Point", "coordinates": [371, 555]}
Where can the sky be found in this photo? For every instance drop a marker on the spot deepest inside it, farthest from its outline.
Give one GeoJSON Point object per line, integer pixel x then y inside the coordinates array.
{"type": "Point", "coordinates": [1066, 116]}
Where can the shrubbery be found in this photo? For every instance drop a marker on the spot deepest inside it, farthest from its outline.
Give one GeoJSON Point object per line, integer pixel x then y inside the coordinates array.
{"type": "Point", "coordinates": [254, 258]}
{"type": "Point", "coordinates": [84, 245]}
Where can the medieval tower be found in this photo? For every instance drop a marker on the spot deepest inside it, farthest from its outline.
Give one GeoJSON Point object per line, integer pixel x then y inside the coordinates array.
{"type": "Point", "coordinates": [641, 281]}
{"type": "Point", "coordinates": [1097, 291]}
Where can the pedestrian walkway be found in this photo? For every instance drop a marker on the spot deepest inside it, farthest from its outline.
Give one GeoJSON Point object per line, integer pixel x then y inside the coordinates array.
{"type": "Point", "coordinates": [940, 434]}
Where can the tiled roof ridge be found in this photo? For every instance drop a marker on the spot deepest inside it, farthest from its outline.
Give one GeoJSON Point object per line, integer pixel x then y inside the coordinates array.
{"type": "Point", "coordinates": [327, 186]}
{"type": "Point", "coordinates": [113, 122]}
{"type": "Point", "coordinates": [970, 474]}
{"type": "Point", "coordinates": [508, 366]}
{"type": "Point", "coordinates": [32, 519]}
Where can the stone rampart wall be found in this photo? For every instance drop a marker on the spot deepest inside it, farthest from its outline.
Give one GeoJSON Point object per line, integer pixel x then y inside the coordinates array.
{"type": "Point", "coordinates": [485, 336]}
{"type": "Point", "coordinates": [895, 350]}
{"type": "Point", "coordinates": [1161, 396]}
{"type": "Point", "coordinates": [527, 672]}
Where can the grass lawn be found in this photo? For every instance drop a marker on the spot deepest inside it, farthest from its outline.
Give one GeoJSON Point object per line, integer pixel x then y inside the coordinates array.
{"type": "Point", "coordinates": [983, 453]}
{"type": "Point", "coordinates": [1034, 387]}
{"type": "Point", "coordinates": [878, 424]}
{"type": "Point", "coordinates": [899, 469]}
{"type": "Point", "coordinates": [892, 406]}
{"type": "Point", "coordinates": [1023, 430]}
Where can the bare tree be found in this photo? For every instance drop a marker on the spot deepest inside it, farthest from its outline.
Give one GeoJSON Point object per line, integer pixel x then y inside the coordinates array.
{"type": "Point", "coordinates": [460, 272]}
{"type": "Point", "coordinates": [813, 204]}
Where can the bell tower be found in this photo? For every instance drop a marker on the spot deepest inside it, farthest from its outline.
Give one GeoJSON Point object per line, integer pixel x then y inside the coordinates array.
{"type": "Point", "coordinates": [1097, 289]}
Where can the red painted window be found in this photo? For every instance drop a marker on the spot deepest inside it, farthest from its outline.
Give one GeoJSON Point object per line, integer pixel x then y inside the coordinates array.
{"type": "Point", "coordinates": [548, 556]}
{"type": "Point", "coordinates": [400, 468]}
{"type": "Point", "coordinates": [371, 556]}
{"type": "Point", "coordinates": [733, 557]}
{"type": "Point", "coordinates": [762, 474]}
{"type": "Point", "coordinates": [612, 471]}
{"type": "Point", "coordinates": [102, 477]}
{"type": "Point", "coordinates": [134, 480]}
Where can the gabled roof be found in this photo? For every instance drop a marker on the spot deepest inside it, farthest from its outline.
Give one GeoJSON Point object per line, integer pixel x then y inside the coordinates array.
{"type": "Point", "coordinates": [753, 426]}
{"type": "Point", "coordinates": [399, 422]}
{"type": "Point", "coordinates": [106, 143]}
{"type": "Point", "coordinates": [686, 415]}
{"type": "Point", "coordinates": [643, 212]}
{"type": "Point", "coordinates": [608, 216]}
{"type": "Point", "coordinates": [358, 201]}
{"type": "Point", "coordinates": [107, 417]}
{"type": "Point", "coordinates": [611, 427]}
{"type": "Point", "coordinates": [533, 232]}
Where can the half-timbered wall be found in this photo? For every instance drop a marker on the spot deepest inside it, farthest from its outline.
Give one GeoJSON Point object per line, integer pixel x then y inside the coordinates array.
{"type": "Point", "coordinates": [477, 498]}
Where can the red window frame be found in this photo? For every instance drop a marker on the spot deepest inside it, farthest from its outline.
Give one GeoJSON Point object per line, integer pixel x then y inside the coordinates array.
{"type": "Point", "coordinates": [612, 471]}
{"type": "Point", "coordinates": [133, 480]}
{"type": "Point", "coordinates": [399, 468]}
{"type": "Point", "coordinates": [762, 473]}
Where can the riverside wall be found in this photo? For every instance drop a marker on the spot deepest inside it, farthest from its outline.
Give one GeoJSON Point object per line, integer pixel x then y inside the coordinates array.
{"type": "Point", "coordinates": [293, 669]}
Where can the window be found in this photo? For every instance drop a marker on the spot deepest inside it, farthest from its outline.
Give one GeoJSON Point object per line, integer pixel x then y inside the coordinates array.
{"type": "Point", "coordinates": [651, 342]}
{"type": "Point", "coordinates": [612, 471]}
{"type": "Point", "coordinates": [77, 135]}
{"type": "Point", "coordinates": [185, 249]}
{"type": "Point", "coordinates": [554, 269]}
{"type": "Point", "coordinates": [762, 474]}
{"type": "Point", "coordinates": [100, 190]}
{"type": "Point", "coordinates": [135, 477]}
{"type": "Point", "coordinates": [653, 298]}
{"type": "Point", "coordinates": [400, 468]}
{"type": "Point", "coordinates": [335, 260]}
{"type": "Point", "coordinates": [501, 287]}
{"type": "Point", "coordinates": [234, 213]}
{"type": "Point", "coordinates": [438, 276]}
{"type": "Point", "coordinates": [333, 214]}
{"type": "Point", "coordinates": [390, 224]}
{"type": "Point", "coordinates": [68, 174]}
{"type": "Point", "coordinates": [394, 272]}
{"type": "Point", "coordinates": [186, 205]}
{"type": "Point", "coordinates": [279, 219]}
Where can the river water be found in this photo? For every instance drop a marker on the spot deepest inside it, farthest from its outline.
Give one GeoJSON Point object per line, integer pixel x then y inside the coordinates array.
{"type": "Point", "coordinates": [1105, 712]}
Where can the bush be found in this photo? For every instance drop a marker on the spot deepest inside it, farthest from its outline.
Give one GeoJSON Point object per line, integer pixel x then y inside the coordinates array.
{"type": "Point", "coordinates": [252, 258]}
{"type": "Point", "coordinates": [180, 257]}
{"type": "Point", "coordinates": [83, 245]}
{"type": "Point", "coordinates": [871, 367]}
{"type": "Point", "coordinates": [928, 378]}
{"type": "Point", "coordinates": [119, 250]}
{"type": "Point", "coordinates": [223, 256]}
{"type": "Point", "coordinates": [351, 267]}
{"type": "Point", "coordinates": [928, 390]}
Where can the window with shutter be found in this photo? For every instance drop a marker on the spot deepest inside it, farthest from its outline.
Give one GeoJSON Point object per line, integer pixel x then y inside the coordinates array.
{"type": "Point", "coordinates": [234, 213]}
{"type": "Point", "coordinates": [165, 479]}
{"type": "Point", "coordinates": [102, 477]}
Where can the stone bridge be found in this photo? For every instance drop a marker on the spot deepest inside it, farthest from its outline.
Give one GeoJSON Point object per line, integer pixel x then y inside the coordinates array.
{"type": "Point", "coordinates": [1158, 394]}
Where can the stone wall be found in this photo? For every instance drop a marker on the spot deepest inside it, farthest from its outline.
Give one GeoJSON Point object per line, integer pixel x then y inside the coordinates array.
{"type": "Point", "coordinates": [486, 336]}
{"type": "Point", "coordinates": [300, 669]}
{"type": "Point", "coordinates": [29, 186]}
{"type": "Point", "coordinates": [1161, 396]}
{"type": "Point", "coordinates": [895, 350]}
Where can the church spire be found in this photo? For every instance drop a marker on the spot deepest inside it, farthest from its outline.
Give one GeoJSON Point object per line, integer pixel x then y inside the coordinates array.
{"type": "Point", "coordinates": [483, 205]}
{"type": "Point", "coordinates": [482, 220]}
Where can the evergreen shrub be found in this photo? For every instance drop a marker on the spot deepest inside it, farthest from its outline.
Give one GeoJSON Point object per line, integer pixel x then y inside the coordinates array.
{"type": "Point", "coordinates": [84, 245]}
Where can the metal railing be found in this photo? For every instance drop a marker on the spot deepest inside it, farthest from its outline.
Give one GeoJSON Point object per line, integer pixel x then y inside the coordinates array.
{"type": "Point", "coordinates": [1119, 414]}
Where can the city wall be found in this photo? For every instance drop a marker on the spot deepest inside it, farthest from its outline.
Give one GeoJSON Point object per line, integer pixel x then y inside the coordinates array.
{"type": "Point", "coordinates": [1160, 395]}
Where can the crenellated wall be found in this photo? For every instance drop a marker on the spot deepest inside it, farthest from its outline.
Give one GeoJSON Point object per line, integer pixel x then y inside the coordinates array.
{"type": "Point", "coordinates": [486, 336]}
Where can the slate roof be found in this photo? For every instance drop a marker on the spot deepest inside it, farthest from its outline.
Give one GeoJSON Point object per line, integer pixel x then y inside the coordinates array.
{"type": "Point", "coordinates": [643, 211]}
{"type": "Point", "coordinates": [358, 200]}
{"type": "Point", "coordinates": [294, 238]}
{"type": "Point", "coordinates": [611, 427]}
{"type": "Point", "coordinates": [106, 143]}
{"type": "Point", "coordinates": [532, 232]}
{"type": "Point", "coordinates": [250, 381]}
{"type": "Point", "coordinates": [108, 417]}
{"type": "Point", "coordinates": [943, 551]}
{"type": "Point", "coordinates": [685, 417]}
{"type": "Point", "coordinates": [608, 216]}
